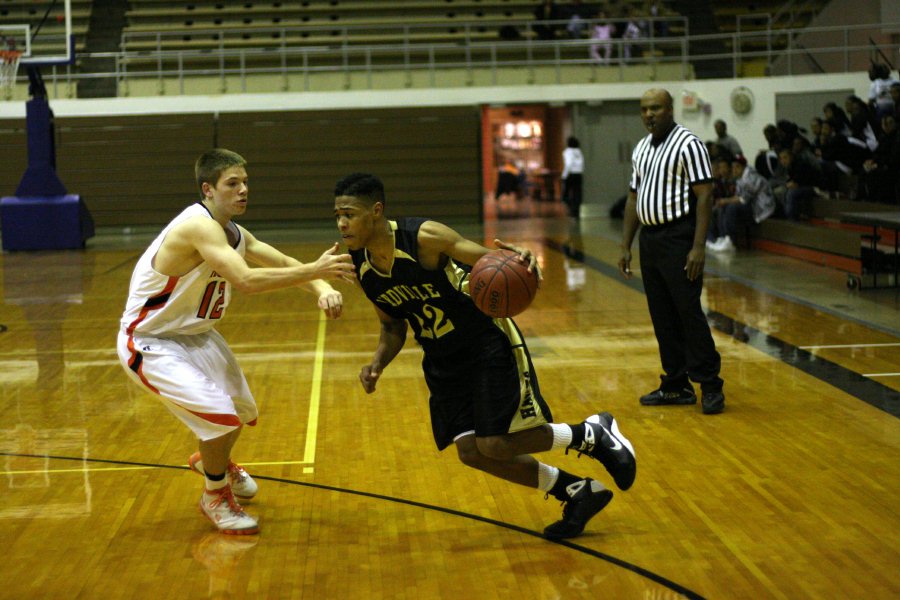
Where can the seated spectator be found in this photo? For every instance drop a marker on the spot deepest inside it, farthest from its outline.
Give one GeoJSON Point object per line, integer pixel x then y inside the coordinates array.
{"type": "Point", "coordinates": [577, 13]}
{"type": "Point", "coordinates": [846, 154]}
{"type": "Point", "coordinates": [723, 183]}
{"type": "Point", "coordinates": [838, 118]}
{"type": "Point", "coordinates": [788, 131]}
{"type": "Point", "coordinates": [752, 202]}
{"type": "Point", "coordinates": [726, 141]}
{"type": "Point", "coordinates": [881, 173]}
{"type": "Point", "coordinates": [547, 11]}
{"type": "Point", "coordinates": [895, 96]}
{"type": "Point", "coordinates": [880, 101]}
{"type": "Point", "coordinates": [766, 162]}
{"type": "Point", "coordinates": [861, 126]}
{"type": "Point", "coordinates": [602, 33]}
{"type": "Point", "coordinates": [802, 180]}
{"type": "Point", "coordinates": [660, 27]}
{"type": "Point", "coordinates": [722, 186]}
{"type": "Point", "coordinates": [632, 30]}
{"type": "Point", "coordinates": [815, 133]}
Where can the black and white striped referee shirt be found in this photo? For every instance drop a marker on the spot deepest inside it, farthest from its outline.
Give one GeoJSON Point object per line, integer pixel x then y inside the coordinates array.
{"type": "Point", "coordinates": [662, 175]}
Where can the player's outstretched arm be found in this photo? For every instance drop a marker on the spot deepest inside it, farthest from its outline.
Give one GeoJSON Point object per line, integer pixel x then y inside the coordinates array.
{"type": "Point", "coordinates": [260, 253]}
{"type": "Point", "coordinates": [209, 241]}
{"type": "Point", "coordinates": [393, 336]}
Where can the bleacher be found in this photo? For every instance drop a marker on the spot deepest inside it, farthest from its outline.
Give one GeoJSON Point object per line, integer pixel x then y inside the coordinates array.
{"type": "Point", "coordinates": [319, 25]}
{"type": "Point", "coordinates": [190, 25]}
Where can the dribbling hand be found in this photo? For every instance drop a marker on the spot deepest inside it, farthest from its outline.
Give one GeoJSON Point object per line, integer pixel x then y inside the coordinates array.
{"type": "Point", "coordinates": [525, 254]}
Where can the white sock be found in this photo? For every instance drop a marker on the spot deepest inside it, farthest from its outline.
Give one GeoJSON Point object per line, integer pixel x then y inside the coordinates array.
{"type": "Point", "coordinates": [547, 476]}
{"type": "Point", "coordinates": [562, 435]}
{"type": "Point", "coordinates": [212, 486]}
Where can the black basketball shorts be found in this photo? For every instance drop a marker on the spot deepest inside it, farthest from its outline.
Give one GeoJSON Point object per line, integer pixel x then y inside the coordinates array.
{"type": "Point", "coordinates": [490, 389]}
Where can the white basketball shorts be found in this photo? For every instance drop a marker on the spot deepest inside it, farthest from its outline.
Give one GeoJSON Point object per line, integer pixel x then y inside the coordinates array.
{"type": "Point", "coordinates": [196, 376]}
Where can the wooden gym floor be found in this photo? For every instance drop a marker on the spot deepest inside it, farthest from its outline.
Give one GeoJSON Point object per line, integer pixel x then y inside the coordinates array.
{"type": "Point", "coordinates": [791, 493]}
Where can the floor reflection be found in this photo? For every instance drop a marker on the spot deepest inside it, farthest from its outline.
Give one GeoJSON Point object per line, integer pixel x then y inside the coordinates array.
{"type": "Point", "coordinates": [221, 556]}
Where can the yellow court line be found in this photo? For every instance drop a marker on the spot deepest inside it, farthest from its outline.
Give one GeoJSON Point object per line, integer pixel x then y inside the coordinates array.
{"type": "Point", "coordinates": [312, 422]}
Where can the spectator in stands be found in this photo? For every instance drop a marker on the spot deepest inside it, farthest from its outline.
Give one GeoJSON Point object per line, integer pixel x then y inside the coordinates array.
{"type": "Point", "coordinates": [787, 132]}
{"type": "Point", "coordinates": [726, 141]}
{"type": "Point", "coordinates": [841, 152]}
{"type": "Point", "coordinates": [602, 34]}
{"type": "Point", "coordinates": [838, 118]}
{"type": "Point", "coordinates": [722, 187]}
{"type": "Point", "coordinates": [895, 96]}
{"type": "Point", "coordinates": [766, 162]}
{"type": "Point", "coordinates": [723, 183]}
{"type": "Point", "coordinates": [660, 27]}
{"type": "Point", "coordinates": [577, 13]}
{"type": "Point", "coordinates": [881, 173]}
{"type": "Point", "coordinates": [716, 151]}
{"type": "Point", "coordinates": [861, 126]}
{"type": "Point", "coordinates": [632, 31]}
{"type": "Point", "coordinates": [802, 180]}
{"type": "Point", "coordinates": [547, 11]}
{"type": "Point", "coordinates": [752, 202]}
{"type": "Point", "coordinates": [880, 100]}
{"type": "Point", "coordinates": [815, 134]}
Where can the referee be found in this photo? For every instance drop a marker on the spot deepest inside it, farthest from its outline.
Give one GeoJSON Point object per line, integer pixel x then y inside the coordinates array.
{"type": "Point", "coordinates": [670, 196]}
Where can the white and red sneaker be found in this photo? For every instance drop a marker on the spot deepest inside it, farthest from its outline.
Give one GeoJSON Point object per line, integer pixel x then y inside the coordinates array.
{"type": "Point", "coordinates": [241, 483]}
{"type": "Point", "coordinates": [223, 510]}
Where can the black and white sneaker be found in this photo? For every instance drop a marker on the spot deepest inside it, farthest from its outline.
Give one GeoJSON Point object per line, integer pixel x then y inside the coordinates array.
{"type": "Point", "coordinates": [604, 442]}
{"type": "Point", "coordinates": [586, 498]}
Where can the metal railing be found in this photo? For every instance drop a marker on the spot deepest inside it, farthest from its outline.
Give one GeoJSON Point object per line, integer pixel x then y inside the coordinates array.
{"type": "Point", "coordinates": [843, 46]}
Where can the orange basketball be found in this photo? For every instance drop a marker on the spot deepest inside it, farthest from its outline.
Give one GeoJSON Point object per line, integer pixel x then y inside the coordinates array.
{"type": "Point", "coordinates": [500, 284]}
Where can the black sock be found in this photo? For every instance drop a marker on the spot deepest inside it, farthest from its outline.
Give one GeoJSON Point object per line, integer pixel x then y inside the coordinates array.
{"type": "Point", "coordinates": [577, 435]}
{"type": "Point", "coordinates": [558, 490]}
{"type": "Point", "coordinates": [214, 477]}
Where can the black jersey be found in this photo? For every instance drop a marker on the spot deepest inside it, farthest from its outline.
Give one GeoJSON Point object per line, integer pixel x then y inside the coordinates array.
{"type": "Point", "coordinates": [435, 303]}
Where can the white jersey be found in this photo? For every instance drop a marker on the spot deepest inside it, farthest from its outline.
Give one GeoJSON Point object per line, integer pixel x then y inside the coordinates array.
{"type": "Point", "coordinates": [159, 305]}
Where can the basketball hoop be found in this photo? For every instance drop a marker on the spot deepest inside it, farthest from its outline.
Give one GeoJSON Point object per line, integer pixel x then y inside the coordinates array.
{"type": "Point", "coordinates": [9, 66]}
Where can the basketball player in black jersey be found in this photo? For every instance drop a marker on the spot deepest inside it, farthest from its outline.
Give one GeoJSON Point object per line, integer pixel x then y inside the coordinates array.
{"type": "Point", "coordinates": [485, 397]}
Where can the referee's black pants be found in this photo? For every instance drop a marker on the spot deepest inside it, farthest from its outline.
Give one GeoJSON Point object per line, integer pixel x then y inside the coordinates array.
{"type": "Point", "coordinates": [686, 347]}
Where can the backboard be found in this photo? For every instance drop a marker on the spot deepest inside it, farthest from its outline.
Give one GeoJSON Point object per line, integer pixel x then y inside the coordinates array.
{"type": "Point", "coordinates": [42, 30]}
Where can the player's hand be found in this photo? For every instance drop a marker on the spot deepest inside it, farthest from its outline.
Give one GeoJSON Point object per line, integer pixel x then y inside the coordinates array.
{"type": "Point", "coordinates": [332, 265]}
{"type": "Point", "coordinates": [695, 259]}
{"type": "Point", "coordinates": [525, 255]}
{"type": "Point", "coordinates": [332, 302]}
{"type": "Point", "coordinates": [368, 376]}
{"type": "Point", "coordinates": [625, 264]}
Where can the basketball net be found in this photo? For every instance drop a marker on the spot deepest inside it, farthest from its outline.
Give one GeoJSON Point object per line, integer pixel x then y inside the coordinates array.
{"type": "Point", "coordinates": [9, 66]}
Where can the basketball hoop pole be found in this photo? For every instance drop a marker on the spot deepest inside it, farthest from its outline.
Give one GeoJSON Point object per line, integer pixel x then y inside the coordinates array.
{"type": "Point", "coordinates": [40, 179]}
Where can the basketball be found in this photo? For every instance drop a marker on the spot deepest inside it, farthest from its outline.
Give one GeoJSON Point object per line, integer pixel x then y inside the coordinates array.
{"type": "Point", "coordinates": [500, 284]}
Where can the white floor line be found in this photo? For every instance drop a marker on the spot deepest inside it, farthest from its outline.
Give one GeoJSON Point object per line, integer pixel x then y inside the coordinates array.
{"type": "Point", "coordinates": [884, 345]}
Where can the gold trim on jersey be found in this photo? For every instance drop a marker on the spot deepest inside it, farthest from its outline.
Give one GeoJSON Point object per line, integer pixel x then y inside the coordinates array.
{"type": "Point", "coordinates": [367, 265]}
{"type": "Point", "coordinates": [529, 414]}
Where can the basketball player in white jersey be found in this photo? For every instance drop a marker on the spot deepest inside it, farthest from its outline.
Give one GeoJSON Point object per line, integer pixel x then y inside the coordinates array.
{"type": "Point", "coordinates": [179, 290]}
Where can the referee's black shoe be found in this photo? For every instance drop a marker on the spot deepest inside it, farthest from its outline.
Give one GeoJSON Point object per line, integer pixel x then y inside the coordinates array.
{"type": "Point", "coordinates": [661, 397]}
{"type": "Point", "coordinates": [586, 498]}
{"type": "Point", "coordinates": [713, 402]}
{"type": "Point", "coordinates": [604, 442]}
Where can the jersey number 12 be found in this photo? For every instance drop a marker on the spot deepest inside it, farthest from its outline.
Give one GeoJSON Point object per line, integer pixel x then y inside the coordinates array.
{"type": "Point", "coordinates": [209, 308]}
